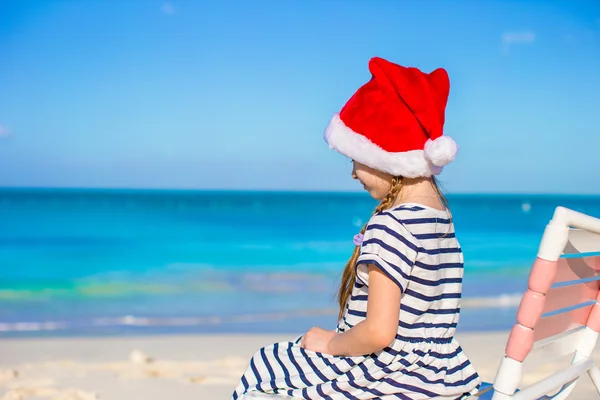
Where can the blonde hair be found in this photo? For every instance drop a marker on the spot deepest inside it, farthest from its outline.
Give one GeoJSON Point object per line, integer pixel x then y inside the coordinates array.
{"type": "Point", "coordinates": [349, 273]}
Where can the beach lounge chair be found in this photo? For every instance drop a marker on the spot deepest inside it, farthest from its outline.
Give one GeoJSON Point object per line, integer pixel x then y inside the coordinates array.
{"type": "Point", "coordinates": [559, 315]}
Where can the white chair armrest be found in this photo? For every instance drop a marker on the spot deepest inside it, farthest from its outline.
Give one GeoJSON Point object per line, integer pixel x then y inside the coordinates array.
{"type": "Point", "coordinates": [554, 381]}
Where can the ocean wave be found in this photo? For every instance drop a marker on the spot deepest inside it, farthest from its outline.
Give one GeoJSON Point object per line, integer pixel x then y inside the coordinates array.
{"type": "Point", "coordinates": [508, 300]}
{"type": "Point", "coordinates": [33, 326]}
{"type": "Point", "coordinates": [500, 301]}
{"type": "Point", "coordinates": [131, 320]}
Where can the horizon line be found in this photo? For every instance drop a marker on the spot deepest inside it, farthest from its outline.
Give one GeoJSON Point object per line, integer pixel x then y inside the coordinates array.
{"type": "Point", "coordinates": [273, 191]}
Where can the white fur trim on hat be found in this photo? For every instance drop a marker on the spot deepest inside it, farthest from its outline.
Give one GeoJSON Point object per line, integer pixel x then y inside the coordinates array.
{"type": "Point", "coordinates": [409, 164]}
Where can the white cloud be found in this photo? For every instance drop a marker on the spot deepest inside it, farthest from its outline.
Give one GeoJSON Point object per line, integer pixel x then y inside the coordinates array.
{"type": "Point", "coordinates": [4, 132]}
{"type": "Point", "coordinates": [168, 8]}
{"type": "Point", "coordinates": [516, 38]}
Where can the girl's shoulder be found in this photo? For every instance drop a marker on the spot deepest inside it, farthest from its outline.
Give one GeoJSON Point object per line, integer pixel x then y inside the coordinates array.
{"type": "Point", "coordinates": [410, 220]}
{"type": "Point", "coordinates": [413, 213]}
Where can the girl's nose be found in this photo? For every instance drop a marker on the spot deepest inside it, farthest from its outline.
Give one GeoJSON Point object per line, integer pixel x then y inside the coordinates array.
{"type": "Point", "coordinates": [354, 176]}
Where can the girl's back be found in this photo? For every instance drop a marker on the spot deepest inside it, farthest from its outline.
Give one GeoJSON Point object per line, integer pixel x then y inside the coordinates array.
{"type": "Point", "coordinates": [417, 248]}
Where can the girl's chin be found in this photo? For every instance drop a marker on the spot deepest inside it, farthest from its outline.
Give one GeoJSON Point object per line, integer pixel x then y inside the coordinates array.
{"type": "Point", "coordinates": [374, 194]}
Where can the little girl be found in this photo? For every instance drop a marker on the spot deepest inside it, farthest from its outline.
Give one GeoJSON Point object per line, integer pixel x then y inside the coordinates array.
{"type": "Point", "coordinates": [400, 292]}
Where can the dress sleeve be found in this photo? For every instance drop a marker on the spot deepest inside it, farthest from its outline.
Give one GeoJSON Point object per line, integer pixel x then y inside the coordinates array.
{"type": "Point", "coordinates": [388, 245]}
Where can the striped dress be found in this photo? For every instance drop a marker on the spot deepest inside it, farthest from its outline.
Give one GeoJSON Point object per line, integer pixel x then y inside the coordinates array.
{"type": "Point", "coordinates": [416, 247]}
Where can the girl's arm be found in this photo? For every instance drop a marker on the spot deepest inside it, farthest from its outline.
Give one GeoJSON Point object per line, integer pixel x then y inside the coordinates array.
{"type": "Point", "coordinates": [379, 328]}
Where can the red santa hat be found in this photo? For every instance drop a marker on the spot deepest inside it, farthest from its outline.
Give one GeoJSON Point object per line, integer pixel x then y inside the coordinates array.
{"type": "Point", "coordinates": [394, 123]}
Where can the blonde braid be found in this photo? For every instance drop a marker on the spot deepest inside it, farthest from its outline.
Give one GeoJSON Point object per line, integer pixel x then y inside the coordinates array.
{"type": "Point", "coordinates": [349, 274]}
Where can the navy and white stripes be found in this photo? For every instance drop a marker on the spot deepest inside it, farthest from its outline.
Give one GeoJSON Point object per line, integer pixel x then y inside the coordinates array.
{"type": "Point", "coordinates": [416, 248]}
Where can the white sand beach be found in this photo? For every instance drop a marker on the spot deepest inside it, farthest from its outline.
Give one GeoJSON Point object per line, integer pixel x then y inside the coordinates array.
{"type": "Point", "coordinates": [204, 367]}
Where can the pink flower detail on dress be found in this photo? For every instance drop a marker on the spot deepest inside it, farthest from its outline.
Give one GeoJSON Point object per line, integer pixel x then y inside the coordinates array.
{"type": "Point", "coordinates": [358, 239]}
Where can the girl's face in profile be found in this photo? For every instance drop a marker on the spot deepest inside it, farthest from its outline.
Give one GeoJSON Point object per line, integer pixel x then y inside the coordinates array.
{"type": "Point", "coordinates": [377, 183]}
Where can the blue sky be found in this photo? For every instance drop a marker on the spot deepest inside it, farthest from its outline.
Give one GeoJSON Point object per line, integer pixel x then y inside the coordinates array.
{"type": "Point", "coordinates": [236, 95]}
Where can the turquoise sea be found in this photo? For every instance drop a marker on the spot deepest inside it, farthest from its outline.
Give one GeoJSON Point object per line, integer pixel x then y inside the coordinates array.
{"type": "Point", "coordinates": [104, 262]}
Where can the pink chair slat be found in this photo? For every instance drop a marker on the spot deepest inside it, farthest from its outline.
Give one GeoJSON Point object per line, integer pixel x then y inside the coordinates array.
{"type": "Point", "coordinates": [530, 309]}
{"type": "Point", "coordinates": [570, 269]}
{"type": "Point", "coordinates": [559, 323]}
{"type": "Point", "coordinates": [520, 342]}
{"type": "Point", "coordinates": [542, 275]}
{"type": "Point", "coordinates": [567, 296]}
